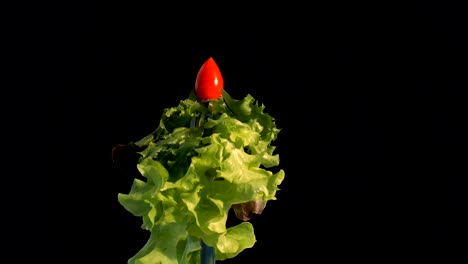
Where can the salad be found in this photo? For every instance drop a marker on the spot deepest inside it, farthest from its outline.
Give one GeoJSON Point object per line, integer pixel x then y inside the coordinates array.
{"type": "Point", "coordinates": [209, 154]}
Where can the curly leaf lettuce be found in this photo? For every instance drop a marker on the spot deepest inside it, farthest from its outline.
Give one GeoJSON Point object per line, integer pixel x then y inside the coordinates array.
{"type": "Point", "coordinates": [203, 159]}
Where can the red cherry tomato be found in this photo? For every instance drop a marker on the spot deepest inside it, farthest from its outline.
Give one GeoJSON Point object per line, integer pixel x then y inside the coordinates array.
{"type": "Point", "coordinates": [209, 82]}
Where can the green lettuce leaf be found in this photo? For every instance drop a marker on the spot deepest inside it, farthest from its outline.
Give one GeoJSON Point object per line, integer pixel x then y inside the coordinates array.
{"type": "Point", "coordinates": [201, 161]}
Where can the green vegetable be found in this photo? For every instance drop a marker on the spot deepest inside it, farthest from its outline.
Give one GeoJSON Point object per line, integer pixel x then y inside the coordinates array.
{"type": "Point", "coordinates": [203, 160]}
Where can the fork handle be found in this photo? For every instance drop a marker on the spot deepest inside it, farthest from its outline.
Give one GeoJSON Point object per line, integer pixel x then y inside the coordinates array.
{"type": "Point", "coordinates": [207, 254]}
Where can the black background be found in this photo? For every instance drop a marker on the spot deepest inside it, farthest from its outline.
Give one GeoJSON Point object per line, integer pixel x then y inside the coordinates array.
{"type": "Point", "coordinates": [371, 100]}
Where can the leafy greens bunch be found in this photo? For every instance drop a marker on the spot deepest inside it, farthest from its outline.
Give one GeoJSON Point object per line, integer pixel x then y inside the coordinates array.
{"type": "Point", "coordinates": [204, 159]}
